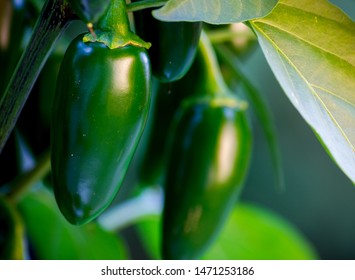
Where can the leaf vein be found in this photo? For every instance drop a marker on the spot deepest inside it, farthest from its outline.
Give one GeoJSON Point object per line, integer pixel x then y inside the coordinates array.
{"type": "Point", "coordinates": [334, 94]}
{"type": "Point", "coordinates": [310, 43]}
{"type": "Point", "coordinates": [306, 82]}
{"type": "Point", "coordinates": [311, 13]}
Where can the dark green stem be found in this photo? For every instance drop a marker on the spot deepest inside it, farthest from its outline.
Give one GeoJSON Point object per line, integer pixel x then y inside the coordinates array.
{"type": "Point", "coordinates": [51, 23]}
{"type": "Point", "coordinates": [145, 4]}
{"type": "Point", "coordinates": [24, 182]}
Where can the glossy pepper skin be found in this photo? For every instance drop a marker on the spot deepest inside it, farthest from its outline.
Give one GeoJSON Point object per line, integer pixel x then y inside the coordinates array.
{"type": "Point", "coordinates": [174, 44]}
{"type": "Point", "coordinates": [89, 11]}
{"type": "Point", "coordinates": [99, 113]}
{"type": "Point", "coordinates": [208, 161]}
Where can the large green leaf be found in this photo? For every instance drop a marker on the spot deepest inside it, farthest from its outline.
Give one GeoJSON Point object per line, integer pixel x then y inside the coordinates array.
{"type": "Point", "coordinates": [251, 232]}
{"type": "Point", "coordinates": [256, 233]}
{"type": "Point", "coordinates": [310, 46]}
{"type": "Point", "coordinates": [215, 12]}
{"type": "Point", "coordinates": [53, 238]}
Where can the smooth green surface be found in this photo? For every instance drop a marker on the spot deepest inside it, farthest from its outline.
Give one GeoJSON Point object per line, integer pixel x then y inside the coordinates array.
{"type": "Point", "coordinates": [215, 12]}
{"type": "Point", "coordinates": [250, 233]}
{"type": "Point", "coordinates": [11, 232]}
{"type": "Point", "coordinates": [174, 44]}
{"type": "Point", "coordinates": [100, 110]}
{"type": "Point", "coordinates": [208, 161]}
{"type": "Point", "coordinates": [53, 238]}
{"type": "Point", "coordinates": [308, 45]}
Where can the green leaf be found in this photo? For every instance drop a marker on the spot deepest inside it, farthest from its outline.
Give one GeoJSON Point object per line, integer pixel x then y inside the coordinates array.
{"type": "Point", "coordinates": [260, 109]}
{"type": "Point", "coordinates": [251, 232]}
{"type": "Point", "coordinates": [310, 48]}
{"type": "Point", "coordinates": [53, 238]}
{"type": "Point", "coordinates": [256, 233]}
{"type": "Point", "coordinates": [214, 12]}
{"type": "Point", "coordinates": [11, 232]}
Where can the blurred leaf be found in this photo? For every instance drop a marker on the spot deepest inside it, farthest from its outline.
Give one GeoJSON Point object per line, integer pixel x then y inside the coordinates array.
{"type": "Point", "coordinates": [11, 232]}
{"type": "Point", "coordinates": [149, 232]}
{"type": "Point", "coordinates": [52, 237]}
{"type": "Point", "coordinates": [250, 233]}
{"type": "Point", "coordinates": [260, 109]}
{"type": "Point", "coordinates": [310, 46]}
{"type": "Point", "coordinates": [214, 12]}
{"type": "Point", "coordinates": [255, 233]}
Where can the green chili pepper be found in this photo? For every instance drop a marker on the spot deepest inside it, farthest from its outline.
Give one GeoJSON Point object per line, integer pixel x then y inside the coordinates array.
{"type": "Point", "coordinates": [174, 44]}
{"type": "Point", "coordinates": [100, 110]}
{"type": "Point", "coordinates": [208, 160]}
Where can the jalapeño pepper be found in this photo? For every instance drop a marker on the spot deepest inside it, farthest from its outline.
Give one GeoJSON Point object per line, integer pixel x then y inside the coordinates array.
{"type": "Point", "coordinates": [209, 154]}
{"type": "Point", "coordinates": [174, 44]}
{"type": "Point", "coordinates": [100, 109]}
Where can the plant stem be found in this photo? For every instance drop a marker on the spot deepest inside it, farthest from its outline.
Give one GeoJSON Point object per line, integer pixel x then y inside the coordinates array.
{"type": "Point", "coordinates": [115, 19]}
{"type": "Point", "coordinates": [23, 183]}
{"type": "Point", "coordinates": [145, 4]}
{"type": "Point", "coordinates": [113, 29]}
{"type": "Point", "coordinates": [215, 84]}
{"type": "Point", "coordinates": [53, 20]}
{"type": "Point", "coordinates": [149, 202]}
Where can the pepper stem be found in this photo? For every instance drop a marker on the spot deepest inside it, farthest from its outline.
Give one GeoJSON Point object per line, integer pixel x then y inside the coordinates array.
{"type": "Point", "coordinates": [209, 65]}
{"type": "Point", "coordinates": [113, 29]}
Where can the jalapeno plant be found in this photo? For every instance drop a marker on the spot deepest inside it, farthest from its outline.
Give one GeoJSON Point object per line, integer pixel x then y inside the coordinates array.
{"type": "Point", "coordinates": [150, 117]}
